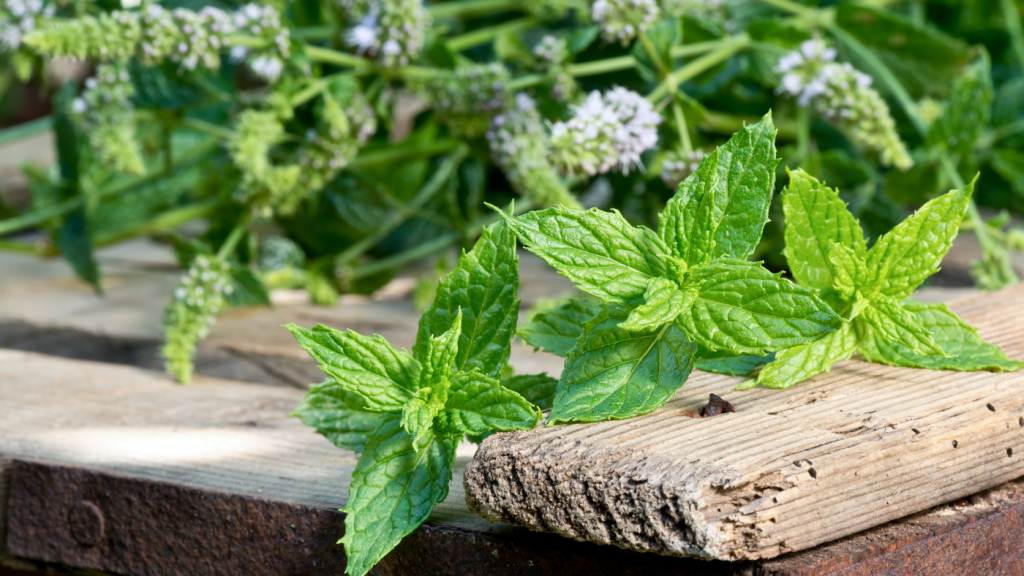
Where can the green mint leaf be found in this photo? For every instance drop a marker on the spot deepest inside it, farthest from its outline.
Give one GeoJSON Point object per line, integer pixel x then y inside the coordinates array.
{"type": "Point", "coordinates": [799, 363]}
{"type": "Point", "coordinates": [912, 251]}
{"type": "Point", "coordinates": [815, 217]}
{"type": "Point", "coordinates": [663, 302]}
{"type": "Point", "coordinates": [556, 330]}
{"type": "Point", "coordinates": [338, 415]}
{"type": "Point", "coordinates": [602, 253]}
{"type": "Point", "coordinates": [613, 373]}
{"type": "Point", "coordinates": [480, 405]}
{"type": "Point", "coordinates": [393, 490]}
{"type": "Point", "coordinates": [538, 389]}
{"type": "Point", "coordinates": [437, 360]}
{"type": "Point", "coordinates": [966, 350]}
{"type": "Point", "coordinates": [740, 175]}
{"type": "Point", "coordinates": [385, 378]}
{"type": "Point", "coordinates": [848, 269]}
{"type": "Point", "coordinates": [418, 415]}
{"type": "Point", "coordinates": [742, 308]}
{"type": "Point", "coordinates": [967, 111]}
{"type": "Point", "coordinates": [744, 365]}
{"type": "Point", "coordinates": [890, 321]}
{"type": "Point", "coordinates": [483, 287]}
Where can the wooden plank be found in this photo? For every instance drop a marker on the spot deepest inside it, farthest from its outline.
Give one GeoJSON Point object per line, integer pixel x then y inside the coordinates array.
{"type": "Point", "coordinates": [841, 453]}
{"type": "Point", "coordinates": [236, 440]}
{"type": "Point", "coordinates": [213, 434]}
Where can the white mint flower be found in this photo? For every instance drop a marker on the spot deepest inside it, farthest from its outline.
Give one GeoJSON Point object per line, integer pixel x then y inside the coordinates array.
{"type": "Point", "coordinates": [675, 167]}
{"type": "Point", "coordinates": [263, 21]}
{"type": "Point", "coordinates": [267, 67]}
{"type": "Point", "coordinates": [521, 148]}
{"type": "Point", "coordinates": [19, 17]}
{"type": "Point", "coordinates": [622, 20]}
{"type": "Point", "coordinates": [552, 50]}
{"type": "Point", "coordinates": [843, 95]}
{"type": "Point", "coordinates": [105, 113]}
{"type": "Point", "coordinates": [364, 36]}
{"type": "Point", "coordinates": [606, 131]}
{"type": "Point", "coordinates": [391, 31]}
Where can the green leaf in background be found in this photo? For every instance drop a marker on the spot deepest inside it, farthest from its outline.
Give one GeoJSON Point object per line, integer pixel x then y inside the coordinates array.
{"type": "Point", "coordinates": [581, 38]}
{"type": "Point", "coordinates": [614, 373]}
{"type": "Point", "coordinates": [663, 36]}
{"type": "Point", "coordinates": [73, 234]}
{"type": "Point", "coordinates": [891, 321]}
{"type": "Point", "coordinates": [246, 289]}
{"type": "Point", "coordinates": [338, 415]}
{"type": "Point", "coordinates": [913, 250]}
{"type": "Point", "coordinates": [924, 59]}
{"type": "Point", "coordinates": [394, 488]}
{"type": "Point", "coordinates": [815, 216]}
{"type": "Point", "coordinates": [777, 31]}
{"type": "Point", "coordinates": [480, 405]}
{"type": "Point", "coordinates": [744, 309]}
{"type": "Point", "coordinates": [385, 378]}
{"type": "Point", "coordinates": [556, 330]}
{"type": "Point", "coordinates": [538, 389]}
{"type": "Point", "coordinates": [483, 288]}
{"type": "Point", "coordinates": [914, 186]}
{"type": "Point", "coordinates": [1009, 163]}
{"type": "Point", "coordinates": [801, 362]}
{"type": "Point", "coordinates": [967, 111]}
{"type": "Point", "coordinates": [741, 175]}
{"type": "Point", "coordinates": [663, 302]}
{"type": "Point", "coordinates": [164, 87]}
{"type": "Point", "coordinates": [603, 254]}
{"type": "Point", "coordinates": [965, 349]}
{"type": "Point", "coordinates": [720, 363]}
{"type": "Point", "coordinates": [75, 243]}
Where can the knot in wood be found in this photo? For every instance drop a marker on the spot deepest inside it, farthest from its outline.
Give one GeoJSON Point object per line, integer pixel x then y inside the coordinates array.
{"type": "Point", "coordinates": [86, 522]}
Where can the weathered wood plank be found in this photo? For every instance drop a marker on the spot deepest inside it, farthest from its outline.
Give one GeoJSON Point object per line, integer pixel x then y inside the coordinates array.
{"type": "Point", "coordinates": [863, 445]}
{"type": "Point", "coordinates": [214, 434]}
{"type": "Point", "coordinates": [235, 439]}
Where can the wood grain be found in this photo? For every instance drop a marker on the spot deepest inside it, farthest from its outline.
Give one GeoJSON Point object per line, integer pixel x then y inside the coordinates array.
{"type": "Point", "coordinates": [214, 434]}
{"type": "Point", "coordinates": [843, 452]}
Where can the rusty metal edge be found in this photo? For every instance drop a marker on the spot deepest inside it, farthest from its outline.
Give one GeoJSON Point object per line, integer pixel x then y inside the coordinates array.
{"type": "Point", "coordinates": [140, 527]}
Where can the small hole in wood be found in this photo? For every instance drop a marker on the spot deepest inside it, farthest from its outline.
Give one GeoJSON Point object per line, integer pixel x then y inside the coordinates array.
{"type": "Point", "coordinates": [990, 407]}
{"type": "Point", "coordinates": [954, 443]}
{"type": "Point", "coordinates": [775, 500]}
{"type": "Point", "coordinates": [1021, 422]}
{"type": "Point", "coordinates": [915, 430]}
{"type": "Point", "coordinates": [798, 464]}
{"type": "Point", "coordinates": [1009, 452]}
{"type": "Point", "coordinates": [813, 473]}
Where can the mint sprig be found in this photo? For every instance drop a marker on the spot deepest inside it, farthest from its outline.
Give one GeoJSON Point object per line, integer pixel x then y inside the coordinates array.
{"type": "Point", "coordinates": [826, 249]}
{"type": "Point", "coordinates": [665, 293]}
{"type": "Point", "coordinates": [407, 413]}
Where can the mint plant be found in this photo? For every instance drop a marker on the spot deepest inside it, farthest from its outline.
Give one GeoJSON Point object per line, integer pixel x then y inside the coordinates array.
{"type": "Point", "coordinates": [354, 130]}
{"type": "Point", "coordinates": [407, 413]}
{"type": "Point", "coordinates": [870, 288]}
{"type": "Point", "coordinates": [668, 295]}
